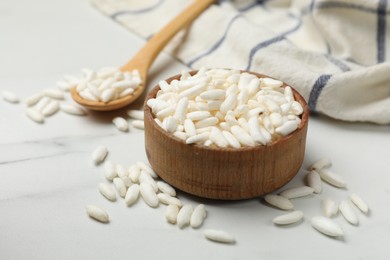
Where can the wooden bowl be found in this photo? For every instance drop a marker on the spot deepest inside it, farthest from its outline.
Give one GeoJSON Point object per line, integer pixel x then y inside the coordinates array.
{"type": "Point", "coordinates": [224, 173]}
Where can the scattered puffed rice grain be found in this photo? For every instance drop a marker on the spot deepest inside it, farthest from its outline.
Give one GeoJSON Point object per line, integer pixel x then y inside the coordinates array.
{"type": "Point", "coordinates": [322, 163]}
{"type": "Point", "coordinates": [184, 215]}
{"type": "Point", "coordinates": [81, 85]}
{"type": "Point", "coordinates": [207, 122]}
{"type": "Point", "coordinates": [199, 138]}
{"type": "Point", "coordinates": [171, 213]}
{"type": "Point", "coordinates": [33, 99]}
{"type": "Point", "coordinates": [148, 194]}
{"type": "Point", "coordinates": [147, 169]}
{"type": "Point", "coordinates": [157, 105]}
{"type": "Point", "coordinates": [288, 93]}
{"type": "Point", "coordinates": [193, 91]}
{"type": "Point", "coordinates": [93, 88]}
{"type": "Point", "coordinates": [106, 84]}
{"type": "Point", "coordinates": [268, 124]}
{"type": "Point", "coordinates": [213, 94]}
{"type": "Point", "coordinates": [145, 177]}
{"type": "Point", "coordinates": [166, 188]}
{"type": "Point", "coordinates": [266, 134]}
{"type": "Point", "coordinates": [276, 119]}
{"type": "Point", "coordinates": [170, 124]}
{"type": "Point", "coordinates": [10, 96]}
{"type": "Point", "coordinates": [181, 109]}
{"type": "Point", "coordinates": [332, 178]}
{"type": "Point", "coordinates": [42, 103]}
{"type": "Point", "coordinates": [127, 181]}
{"type": "Point", "coordinates": [51, 108]}
{"type": "Point", "coordinates": [120, 186]}
{"type": "Point", "coordinates": [296, 108]}
{"type": "Point", "coordinates": [270, 83]}
{"type": "Point", "coordinates": [253, 86]}
{"type": "Point", "coordinates": [287, 128]}
{"type": "Point", "coordinates": [99, 154]}
{"type": "Point", "coordinates": [297, 192]}
{"type": "Point", "coordinates": [121, 124]}
{"type": "Point", "coordinates": [219, 236]}
{"type": "Point", "coordinates": [279, 201]}
{"type": "Point", "coordinates": [242, 136]}
{"type": "Point", "coordinates": [255, 131]}
{"type": "Point", "coordinates": [107, 191]}
{"type": "Point", "coordinates": [228, 104]}
{"type": "Point", "coordinates": [121, 170]}
{"type": "Point", "coordinates": [232, 140]}
{"type": "Point", "coordinates": [89, 74]}
{"type": "Point", "coordinates": [208, 142]}
{"type": "Point", "coordinates": [288, 218]}
{"type": "Point", "coordinates": [71, 79]}
{"type": "Point", "coordinates": [134, 173]}
{"type": "Point", "coordinates": [132, 194]}
{"type": "Point", "coordinates": [168, 200]}
{"type": "Point", "coordinates": [189, 127]}
{"type": "Point", "coordinates": [107, 72]}
{"type": "Point", "coordinates": [359, 203]}
{"type": "Point", "coordinates": [97, 213]}
{"type": "Point", "coordinates": [181, 135]}
{"type": "Point", "coordinates": [217, 137]}
{"type": "Point", "coordinates": [110, 170]}
{"type": "Point", "coordinates": [330, 207]}
{"type": "Point", "coordinates": [348, 213]}
{"type": "Point", "coordinates": [66, 86]}
{"type": "Point", "coordinates": [126, 92]}
{"type": "Point", "coordinates": [168, 111]}
{"type": "Point", "coordinates": [35, 115]}
{"type": "Point", "coordinates": [326, 226]}
{"type": "Point", "coordinates": [198, 115]}
{"type": "Point", "coordinates": [138, 124]}
{"type": "Point", "coordinates": [54, 93]}
{"type": "Point", "coordinates": [136, 114]}
{"type": "Point", "coordinates": [198, 216]}
{"type": "Point", "coordinates": [124, 84]}
{"type": "Point", "coordinates": [73, 110]}
{"type": "Point", "coordinates": [314, 181]}
{"type": "Point", "coordinates": [107, 95]}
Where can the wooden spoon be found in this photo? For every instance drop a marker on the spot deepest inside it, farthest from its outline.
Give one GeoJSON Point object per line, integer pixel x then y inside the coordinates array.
{"type": "Point", "coordinates": [145, 57]}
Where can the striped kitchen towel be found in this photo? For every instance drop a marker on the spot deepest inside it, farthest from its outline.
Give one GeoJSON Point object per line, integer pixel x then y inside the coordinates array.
{"type": "Point", "coordinates": [335, 53]}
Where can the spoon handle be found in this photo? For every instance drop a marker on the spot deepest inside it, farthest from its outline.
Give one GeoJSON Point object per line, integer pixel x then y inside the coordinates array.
{"type": "Point", "coordinates": [145, 57]}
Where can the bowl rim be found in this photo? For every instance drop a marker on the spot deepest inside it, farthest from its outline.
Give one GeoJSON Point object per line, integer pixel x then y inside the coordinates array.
{"type": "Point", "coordinates": [297, 96]}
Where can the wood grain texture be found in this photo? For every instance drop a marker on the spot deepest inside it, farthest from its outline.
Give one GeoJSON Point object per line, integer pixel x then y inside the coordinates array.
{"type": "Point", "coordinates": [225, 173]}
{"type": "Point", "coordinates": [146, 56]}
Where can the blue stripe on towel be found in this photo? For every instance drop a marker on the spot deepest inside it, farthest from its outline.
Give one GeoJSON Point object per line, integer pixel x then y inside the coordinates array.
{"type": "Point", "coordinates": [252, 5]}
{"type": "Point", "coordinates": [217, 44]}
{"type": "Point", "coordinates": [268, 42]}
{"type": "Point", "coordinates": [381, 31]}
{"type": "Point", "coordinates": [335, 4]}
{"type": "Point", "coordinates": [138, 11]}
{"type": "Point", "coordinates": [316, 90]}
{"type": "Point", "coordinates": [219, 2]}
{"type": "Point", "coordinates": [341, 65]}
{"type": "Point", "coordinates": [311, 7]}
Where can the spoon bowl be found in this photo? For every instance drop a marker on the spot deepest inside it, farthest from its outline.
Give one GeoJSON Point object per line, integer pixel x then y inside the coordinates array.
{"type": "Point", "coordinates": [146, 56]}
{"type": "Point", "coordinates": [114, 104]}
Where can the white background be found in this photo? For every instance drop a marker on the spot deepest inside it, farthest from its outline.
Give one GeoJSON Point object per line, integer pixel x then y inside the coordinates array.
{"type": "Point", "coordinates": [47, 177]}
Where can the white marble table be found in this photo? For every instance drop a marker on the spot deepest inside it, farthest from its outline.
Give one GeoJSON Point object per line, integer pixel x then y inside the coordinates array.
{"type": "Point", "coordinates": [47, 177]}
